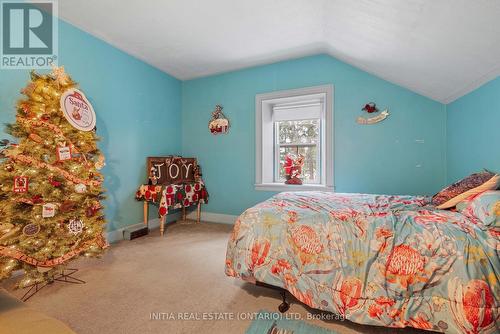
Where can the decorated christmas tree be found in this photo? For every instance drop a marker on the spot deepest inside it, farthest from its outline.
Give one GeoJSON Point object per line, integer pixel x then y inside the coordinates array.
{"type": "Point", "coordinates": [50, 184]}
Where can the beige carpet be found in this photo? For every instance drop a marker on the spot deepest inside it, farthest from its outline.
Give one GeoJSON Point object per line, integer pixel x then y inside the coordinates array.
{"type": "Point", "coordinates": [181, 272]}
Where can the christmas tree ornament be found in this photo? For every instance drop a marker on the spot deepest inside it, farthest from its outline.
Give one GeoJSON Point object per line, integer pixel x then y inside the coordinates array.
{"type": "Point", "coordinates": [100, 163]}
{"type": "Point", "coordinates": [36, 138]}
{"type": "Point", "coordinates": [80, 188]}
{"type": "Point", "coordinates": [29, 89]}
{"type": "Point", "coordinates": [60, 77]}
{"type": "Point", "coordinates": [20, 184]}
{"type": "Point", "coordinates": [25, 108]}
{"type": "Point", "coordinates": [54, 182]}
{"type": "Point", "coordinates": [89, 212]}
{"type": "Point", "coordinates": [67, 206]}
{"type": "Point", "coordinates": [48, 210]}
{"type": "Point", "coordinates": [75, 226]}
{"type": "Point", "coordinates": [37, 199]}
{"type": "Point", "coordinates": [9, 168]}
{"type": "Point", "coordinates": [63, 152]}
{"type": "Point", "coordinates": [31, 229]}
{"type": "Point", "coordinates": [78, 110]}
{"type": "Point", "coordinates": [218, 124]}
{"type": "Point", "coordinates": [92, 210]}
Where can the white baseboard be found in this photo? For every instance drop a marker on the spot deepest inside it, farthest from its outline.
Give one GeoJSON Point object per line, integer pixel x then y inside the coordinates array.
{"type": "Point", "coordinates": [212, 217]}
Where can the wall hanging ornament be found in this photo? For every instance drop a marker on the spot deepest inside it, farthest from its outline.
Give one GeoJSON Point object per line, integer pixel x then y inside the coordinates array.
{"type": "Point", "coordinates": [218, 124]}
{"type": "Point", "coordinates": [372, 108]}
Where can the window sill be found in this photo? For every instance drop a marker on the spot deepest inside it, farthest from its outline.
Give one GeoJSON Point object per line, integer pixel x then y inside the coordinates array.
{"type": "Point", "coordinates": [292, 187]}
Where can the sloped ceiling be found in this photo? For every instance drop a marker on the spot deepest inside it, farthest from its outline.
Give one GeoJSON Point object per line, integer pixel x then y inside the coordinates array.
{"type": "Point", "coordinates": [439, 48]}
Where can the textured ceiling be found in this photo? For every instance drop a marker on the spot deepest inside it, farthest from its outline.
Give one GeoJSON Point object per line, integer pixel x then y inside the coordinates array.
{"type": "Point", "coordinates": [439, 48]}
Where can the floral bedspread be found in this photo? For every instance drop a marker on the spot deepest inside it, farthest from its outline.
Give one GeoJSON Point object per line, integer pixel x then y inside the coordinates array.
{"type": "Point", "coordinates": [380, 260]}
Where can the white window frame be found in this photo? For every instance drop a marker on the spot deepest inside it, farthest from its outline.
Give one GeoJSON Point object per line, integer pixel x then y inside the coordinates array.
{"type": "Point", "coordinates": [265, 150]}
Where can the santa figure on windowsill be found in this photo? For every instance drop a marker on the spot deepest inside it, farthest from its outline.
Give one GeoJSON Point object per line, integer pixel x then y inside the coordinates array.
{"type": "Point", "coordinates": [293, 168]}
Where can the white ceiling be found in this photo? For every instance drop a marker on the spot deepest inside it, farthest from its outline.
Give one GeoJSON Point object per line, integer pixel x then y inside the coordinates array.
{"type": "Point", "coordinates": [439, 48]}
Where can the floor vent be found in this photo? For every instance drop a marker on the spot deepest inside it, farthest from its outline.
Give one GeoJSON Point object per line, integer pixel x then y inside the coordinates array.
{"type": "Point", "coordinates": [135, 232]}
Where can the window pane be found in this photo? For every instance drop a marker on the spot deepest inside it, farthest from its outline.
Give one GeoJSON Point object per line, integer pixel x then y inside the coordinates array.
{"type": "Point", "coordinates": [310, 172]}
{"type": "Point", "coordinates": [298, 132]}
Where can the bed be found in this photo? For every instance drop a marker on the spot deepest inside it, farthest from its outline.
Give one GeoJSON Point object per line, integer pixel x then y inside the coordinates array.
{"type": "Point", "coordinates": [392, 261]}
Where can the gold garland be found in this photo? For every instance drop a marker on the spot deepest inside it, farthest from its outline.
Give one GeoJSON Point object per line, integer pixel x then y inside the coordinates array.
{"type": "Point", "coordinates": [55, 128]}
{"type": "Point", "coordinates": [29, 201]}
{"type": "Point", "coordinates": [18, 255]}
{"type": "Point", "coordinates": [67, 175]}
{"type": "Point", "coordinates": [36, 122]}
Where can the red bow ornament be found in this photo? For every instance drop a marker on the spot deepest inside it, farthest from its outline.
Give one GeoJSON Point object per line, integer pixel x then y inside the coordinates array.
{"type": "Point", "coordinates": [370, 108]}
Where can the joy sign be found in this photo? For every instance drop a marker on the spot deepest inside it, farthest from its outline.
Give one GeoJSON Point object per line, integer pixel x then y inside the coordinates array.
{"type": "Point", "coordinates": [172, 169]}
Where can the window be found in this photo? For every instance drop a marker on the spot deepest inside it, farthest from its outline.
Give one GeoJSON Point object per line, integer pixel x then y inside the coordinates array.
{"type": "Point", "coordinates": [298, 136]}
{"type": "Point", "coordinates": [297, 121]}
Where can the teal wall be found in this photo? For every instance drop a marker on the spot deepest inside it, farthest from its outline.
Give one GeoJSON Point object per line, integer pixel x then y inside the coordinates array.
{"type": "Point", "coordinates": [473, 132]}
{"type": "Point", "coordinates": [380, 158]}
{"type": "Point", "coordinates": [138, 113]}
{"type": "Point", "coordinates": [143, 111]}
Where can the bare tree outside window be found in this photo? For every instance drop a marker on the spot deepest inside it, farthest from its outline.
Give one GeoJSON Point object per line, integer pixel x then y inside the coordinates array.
{"type": "Point", "coordinates": [299, 137]}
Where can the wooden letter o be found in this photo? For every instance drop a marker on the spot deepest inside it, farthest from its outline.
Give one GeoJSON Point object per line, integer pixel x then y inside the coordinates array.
{"type": "Point", "coordinates": [170, 171]}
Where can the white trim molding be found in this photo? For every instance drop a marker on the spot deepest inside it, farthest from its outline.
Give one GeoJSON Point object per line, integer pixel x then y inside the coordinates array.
{"type": "Point", "coordinates": [212, 217]}
{"type": "Point", "coordinates": [264, 140]}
